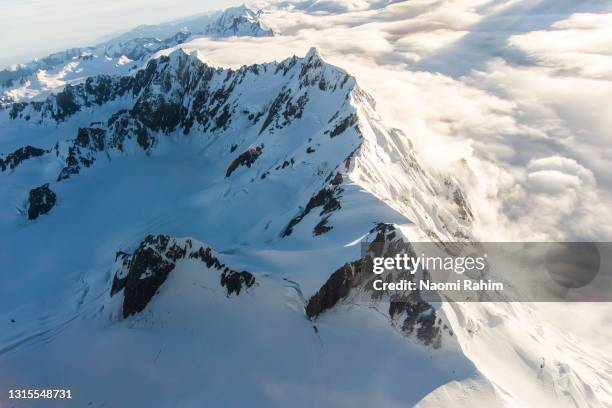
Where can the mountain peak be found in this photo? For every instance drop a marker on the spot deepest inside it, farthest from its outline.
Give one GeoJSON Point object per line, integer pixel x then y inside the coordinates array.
{"type": "Point", "coordinates": [313, 54]}
{"type": "Point", "coordinates": [239, 21]}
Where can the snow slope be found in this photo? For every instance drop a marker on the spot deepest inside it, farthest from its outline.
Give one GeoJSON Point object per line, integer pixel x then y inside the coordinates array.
{"type": "Point", "coordinates": [282, 169]}
{"type": "Point", "coordinates": [316, 131]}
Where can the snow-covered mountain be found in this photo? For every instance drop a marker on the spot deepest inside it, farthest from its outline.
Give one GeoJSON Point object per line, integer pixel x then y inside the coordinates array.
{"type": "Point", "coordinates": [129, 51]}
{"type": "Point", "coordinates": [177, 234]}
{"type": "Point", "coordinates": [268, 164]}
{"type": "Point", "coordinates": [246, 112]}
{"type": "Point", "coordinates": [238, 21]}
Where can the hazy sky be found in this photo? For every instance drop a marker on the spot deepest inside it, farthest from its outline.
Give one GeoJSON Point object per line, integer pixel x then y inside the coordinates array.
{"type": "Point", "coordinates": [31, 28]}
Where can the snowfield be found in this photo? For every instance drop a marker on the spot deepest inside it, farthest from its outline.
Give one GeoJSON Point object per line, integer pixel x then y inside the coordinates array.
{"type": "Point", "coordinates": [180, 227]}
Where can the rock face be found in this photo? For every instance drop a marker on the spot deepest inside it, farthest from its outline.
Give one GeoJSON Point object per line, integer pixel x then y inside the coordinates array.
{"type": "Point", "coordinates": [328, 199]}
{"type": "Point", "coordinates": [417, 317]}
{"type": "Point", "coordinates": [141, 274]}
{"type": "Point", "coordinates": [82, 153]}
{"type": "Point", "coordinates": [40, 201]}
{"type": "Point", "coordinates": [20, 155]}
{"type": "Point", "coordinates": [245, 159]}
{"type": "Point", "coordinates": [179, 93]}
{"type": "Point", "coordinates": [347, 122]}
{"type": "Point", "coordinates": [179, 97]}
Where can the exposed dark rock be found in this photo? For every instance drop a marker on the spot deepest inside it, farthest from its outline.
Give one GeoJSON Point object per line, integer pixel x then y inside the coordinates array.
{"type": "Point", "coordinates": [311, 72]}
{"type": "Point", "coordinates": [286, 66]}
{"type": "Point", "coordinates": [16, 109]}
{"type": "Point", "coordinates": [234, 282]}
{"type": "Point", "coordinates": [158, 113]}
{"type": "Point", "coordinates": [148, 270]}
{"type": "Point", "coordinates": [345, 80]}
{"type": "Point", "coordinates": [310, 150]}
{"type": "Point", "coordinates": [82, 153]}
{"type": "Point", "coordinates": [123, 127]}
{"type": "Point", "coordinates": [294, 110]}
{"type": "Point", "coordinates": [141, 274]}
{"type": "Point", "coordinates": [66, 104]}
{"type": "Point", "coordinates": [20, 155]}
{"type": "Point", "coordinates": [464, 209]}
{"type": "Point", "coordinates": [40, 201]}
{"type": "Point", "coordinates": [328, 198]}
{"type": "Point", "coordinates": [223, 120]}
{"type": "Point", "coordinates": [419, 317]}
{"type": "Point", "coordinates": [337, 180]}
{"type": "Point", "coordinates": [348, 276]}
{"type": "Point", "coordinates": [275, 108]}
{"type": "Point", "coordinates": [349, 158]}
{"type": "Point", "coordinates": [287, 163]}
{"type": "Point", "coordinates": [322, 227]}
{"type": "Point", "coordinates": [205, 255]}
{"type": "Point", "coordinates": [92, 138]}
{"type": "Point", "coordinates": [347, 122]}
{"type": "Point", "coordinates": [245, 159]}
{"type": "Point", "coordinates": [176, 93]}
{"type": "Point", "coordinates": [336, 288]}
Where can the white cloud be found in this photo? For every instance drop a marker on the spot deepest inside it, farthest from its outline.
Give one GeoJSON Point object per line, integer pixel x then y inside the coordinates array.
{"type": "Point", "coordinates": [577, 46]}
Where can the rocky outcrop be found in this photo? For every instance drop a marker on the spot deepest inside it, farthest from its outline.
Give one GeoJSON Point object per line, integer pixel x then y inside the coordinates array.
{"type": "Point", "coordinates": [344, 124]}
{"type": "Point", "coordinates": [322, 227]}
{"type": "Point", "coordinates": [417, 317]}
{"type": "Point", "coordinates": [234, 282]}
{"type": "Point", "coordinates": [284, 109]}
{"type": "Point", "coordinates": [40, 201]}
{"type": "Point", "coordinates": [329, 199]}
{"type": "Point", "coordinates": [82, 153]}
{"type": "Point", "coordinates": [141, 274]}
{"type": "Point", "coordinates": [336, 288]}
{"type": "Point", "coordinates": [244, 159]}
{"type": "Point", "coordinates": [465, 212]}
{"type": "Point", "coordinates": [177, 93]}
{"type": "Point", "coordinates": [353, 274]}
{"type": "Point", "coordinates": [20, 155]}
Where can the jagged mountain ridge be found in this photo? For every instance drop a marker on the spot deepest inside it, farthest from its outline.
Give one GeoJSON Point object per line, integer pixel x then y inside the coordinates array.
{"type": "Point", "coordinates": [285, 157]}
{"type": "Point", "coordinates": [295, 230]}
{"type": "Point", "coordinates": [141, 274]}
{"type": "Point", "coordinates": [180, 94]}
{"type": "Point", "coordinates": [122, 54]}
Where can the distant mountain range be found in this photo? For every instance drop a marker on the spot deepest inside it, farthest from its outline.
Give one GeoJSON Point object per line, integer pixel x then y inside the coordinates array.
{"type": "Point", "coordinates": [120, 55]}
